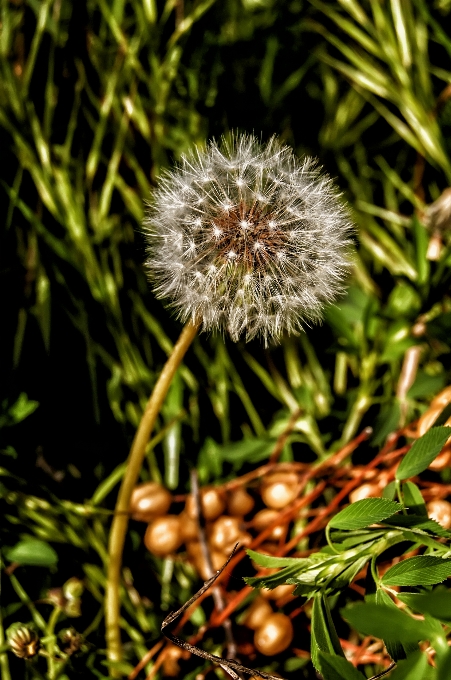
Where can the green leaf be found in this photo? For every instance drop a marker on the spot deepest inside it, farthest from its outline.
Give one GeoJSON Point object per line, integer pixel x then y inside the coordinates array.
{"type": "Point", "coordinates": [443, 665]}
{"type": "Point", "coordinates": [415, 667]}
{"type": "Point", "coordinates": [436, 603]}
{"type": "Point", "coordinates": [419, 523]}
{"type": "Point", "coordinates": [425, 385]}
{"type": "Point", "coordinates": [413, 499]}
{"type": "Point", "coordinates": [384, 622]}
{"type": "Point", "coordinates": [246, 450]}
{"type": "Point", "coordinates": [421, 238]}
{"type": "Point", "coordinates": [324, 635]}
{"type": "Point", "coordinates": [386, 421]}
{"type": "Point", "coordinates": [334, 667]}
{"type": "Point", "coordinates": [271, 581]}
{"type": "Point", "coordinates": [365, 512]}
{"type": "Point", "coordinates": [423, 452]}
{"type": "Point", "coordinates": [394, 647]}
{"type": "Point", "coordinates": [32, 552]}
{"type": "Point", "coordinates": [423, 570]}
{"type": "Point", "coordinates": [270, 561]}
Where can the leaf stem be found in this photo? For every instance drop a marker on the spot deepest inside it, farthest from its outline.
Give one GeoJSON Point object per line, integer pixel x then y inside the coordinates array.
{"type": "Point", "coordinates": [135, 459]}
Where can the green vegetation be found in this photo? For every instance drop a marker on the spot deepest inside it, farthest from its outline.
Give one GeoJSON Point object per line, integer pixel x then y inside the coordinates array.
{"type": "Point", "coordinates": [97, 98]}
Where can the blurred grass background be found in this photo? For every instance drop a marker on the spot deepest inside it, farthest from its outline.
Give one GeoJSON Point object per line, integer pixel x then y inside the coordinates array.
{"type": "Point", "coordinates": [96, 98]}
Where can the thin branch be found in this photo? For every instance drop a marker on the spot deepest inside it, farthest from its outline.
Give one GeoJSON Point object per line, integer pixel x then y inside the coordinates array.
{"type": "Point", "coordinates": [216, 590]}
{"type": "Point", "coordinates": [381, 675]}
{"type": "Point", "coordinates": [120, 520]}
{"type": "Point", "coordinates": [228, 665]}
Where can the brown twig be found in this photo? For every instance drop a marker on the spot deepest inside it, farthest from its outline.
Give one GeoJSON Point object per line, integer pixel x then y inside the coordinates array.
{"type": "Point", "coordinates": [228, 665]}
{"type": "Point", "coordinates": [216, 590]}
{"type": "Point", "coordinates": [384, 672]}
{"type": "Point", "coordinates": [145, 660]}
{"type": "Point", "coordinates": [282, 438]}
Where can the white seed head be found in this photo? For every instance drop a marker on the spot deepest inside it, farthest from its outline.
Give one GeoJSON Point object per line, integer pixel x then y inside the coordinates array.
{"type": "Point", "coordinates": [259, 243]}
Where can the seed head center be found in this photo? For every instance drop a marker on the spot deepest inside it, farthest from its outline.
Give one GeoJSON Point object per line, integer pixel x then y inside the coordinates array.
{"type": "Point", "coordinates": [248, 235]}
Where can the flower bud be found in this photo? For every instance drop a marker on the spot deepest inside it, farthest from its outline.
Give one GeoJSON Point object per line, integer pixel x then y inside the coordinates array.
{"type": "Point", "coordinates": [73, 588]}
{"type": "Point", "coordinates": [71, 641]}
{"type": "Point", "coordinates": [23, 641]}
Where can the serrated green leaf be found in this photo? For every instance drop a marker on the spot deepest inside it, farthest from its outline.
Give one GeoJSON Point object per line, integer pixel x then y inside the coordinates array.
{"type": "Point", "coordinates": [271, 581]}
{"type": "Point", "coordinates": [271, 561]}
{"type": "Point", "coordinates": [418, 523]}
{"type": "Point", "coordinates": [421, 570]}
{"type": "Point", "coordinates": [32, 552]}
{"type": "Point", "coordinates": [333, 667]}
{"type": "Point", "coordinates": [384, 622]}
{"type": "Point", "coordinates": [423, 452]}
{"type": "Point", "coordinates": [348, 540]}
{"type": "Point", "coordinates": [365, 512]}
{"type": "Point", "coordinates": [397, 650]}
{"type": "Point", "coordinates": [324, 635]}
{"type": "Point", "coordinates": [413, 499]}
{"type": "Point", "coordinates": [436, 603]}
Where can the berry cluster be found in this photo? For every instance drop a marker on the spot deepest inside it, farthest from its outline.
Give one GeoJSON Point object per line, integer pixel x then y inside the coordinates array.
{"type": "Point", "coordinates": [231, 516]}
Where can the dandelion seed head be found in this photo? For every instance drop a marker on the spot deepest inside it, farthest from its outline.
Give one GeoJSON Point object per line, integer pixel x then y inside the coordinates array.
{"type": "Point", "coordinates": [247, 238]}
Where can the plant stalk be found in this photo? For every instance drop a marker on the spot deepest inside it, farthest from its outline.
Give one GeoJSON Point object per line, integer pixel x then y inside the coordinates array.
{"type": "Point", "coordinates": [134, 463]}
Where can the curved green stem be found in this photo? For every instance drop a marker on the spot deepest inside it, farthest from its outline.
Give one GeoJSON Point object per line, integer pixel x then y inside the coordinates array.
{"type": "Point", "coordinates": [120, 519]}
{"type": "Point", "coordinates": [50, 634]}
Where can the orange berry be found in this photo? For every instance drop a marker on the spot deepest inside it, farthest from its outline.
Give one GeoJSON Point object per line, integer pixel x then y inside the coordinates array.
{"type": "Point", "coordinates": [365, 491]}
{"type": "Point", "coordinates": [149, 500]}
{"type": "Point", "coordinates": [277, 593]}
{"type": "Point", "coordinates": [197, 557]}
{"type": "Point", "coordinates": [212, 503]}
{"type": "Point", "coordinates": [163, 535]}
{"type": "Point", "coordinates": [442, 399]}
{"type": "Point", "coordinates": [440, 511]}
{"type": "Point", "coordinates": [173, 654]}
{"type": "Point", "coordinates": [257, 613]}
{"type": "Point", "coordinates": [224, 532]}
{"type": "Point", "coordinates": [275, 635]}
{"type": "Point", "coordinates": [264, 518]}
{"type": "Point", "coordinates": [279, 489]}
{"type": "Point", "coordinates": [188, 528]}
{"type": "Point", "coordinates": [239, 503]}
{"type": "Point", "coordinates": [443, 459]}
{"type": "Point", "coordinates": [426, 421]}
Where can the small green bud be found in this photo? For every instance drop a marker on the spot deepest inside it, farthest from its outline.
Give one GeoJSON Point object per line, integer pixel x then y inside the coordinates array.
{"type": "Point", "coordinates": [73, 588]}
{"type": "Point", "coordinates": [403, 300]}
{"type": "Point", "coordinates": [23, 640]}
{"type": "Point", "coordinates": [71, 641]}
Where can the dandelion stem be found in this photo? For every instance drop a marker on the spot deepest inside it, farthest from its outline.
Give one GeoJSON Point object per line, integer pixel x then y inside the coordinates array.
{"type": "Point", "coordinates": [135, 459]}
